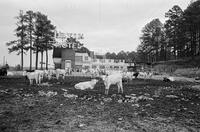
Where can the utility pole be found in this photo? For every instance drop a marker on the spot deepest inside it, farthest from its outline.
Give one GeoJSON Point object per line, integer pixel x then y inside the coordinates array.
{"type": "Point", "coordinates": [3, 60]}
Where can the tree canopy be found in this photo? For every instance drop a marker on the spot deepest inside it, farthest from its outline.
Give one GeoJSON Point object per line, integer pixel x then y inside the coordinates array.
{"type": "Point", "coordinates": [177, 38]}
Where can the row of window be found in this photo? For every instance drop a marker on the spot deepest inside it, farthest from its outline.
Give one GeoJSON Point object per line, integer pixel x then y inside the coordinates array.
{"type": "Point", "coordinates": [80, 58]}
{"type": "Point", "coordinates": [109, 60]}
{"type": "Point", "coordinates": [111, 67]}
{"type": "Point", "coordinates": [86, 58]}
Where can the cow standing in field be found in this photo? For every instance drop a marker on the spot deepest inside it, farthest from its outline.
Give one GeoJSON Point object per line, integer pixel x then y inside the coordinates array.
{"type": "Point", "coordinates": [51, 73]}
{"type": "Point", "coordinates": [41, 74]}
{"type": "Point", "coordinates": [112, 79]}
{"type": "Point", "coordinates": [60, 72]}
{"type": "Point", "coordinates": [36, 75]}
{"type": "Point", "coordinates": [33, 76]}
{"type": "Point", "coordinates": [128, 76]}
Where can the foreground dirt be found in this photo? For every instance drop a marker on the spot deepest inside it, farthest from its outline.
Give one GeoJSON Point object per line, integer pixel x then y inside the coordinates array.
{"type": "Point", "coordinates": [146, 106]}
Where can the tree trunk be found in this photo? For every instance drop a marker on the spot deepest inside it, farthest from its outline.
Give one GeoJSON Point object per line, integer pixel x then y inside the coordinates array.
{"type": "Point", "coordinates": [193, 37]}
{"type": "Point", "coordinates": [36, 60]}
{"type": "Point", "coordinates": [46, 59]}
{"type": "Point", "coordinates": [30, 51]}
{"type": "Point", "coordinates": [157, 54]}
{"type": "Point", "coordinates": [22, 59]}
{"type": "Point", "coordinates": [199, 41]}
{"type": "Point", "coordinates": [41, 66]}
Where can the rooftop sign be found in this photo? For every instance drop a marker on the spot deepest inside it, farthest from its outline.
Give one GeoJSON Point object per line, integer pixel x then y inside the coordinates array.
{"type": "Point", "coordinates": [63, 39]}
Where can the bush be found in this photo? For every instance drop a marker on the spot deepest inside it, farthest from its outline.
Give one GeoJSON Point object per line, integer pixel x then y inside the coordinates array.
{"type": "Point", "coordinates": [188, 72]}
{"type": "Point", "coordinates": [198, 72]}
{"type": "Point", "coordinates": [18, 67]}
{"type": "Point", "coordinates": [161, 68]}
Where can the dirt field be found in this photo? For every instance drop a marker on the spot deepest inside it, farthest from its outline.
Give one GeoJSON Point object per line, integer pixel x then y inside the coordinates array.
{"type": "Point", "coordinates": [146, 106]}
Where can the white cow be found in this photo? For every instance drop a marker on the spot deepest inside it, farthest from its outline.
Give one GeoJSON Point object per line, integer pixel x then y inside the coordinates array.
{"type": "Point", "coordinates": [112, 79]}
{"type": "Point", "coordinates": [128, 76]}
{"type": "Point", "coordinates": [51, 72]}
{"type": "Point", "coordinates": [145, 74]}
{"type": "Point", "coordinates": [94, 72]}
{"type": "Point", "coordinates": [41, 74]}
{"type": "Point", "coordinates": [60, 72]}
{"type": "Point", "coordinates": [10, 73]}
{"type": "Point", "coordinates": [46, 73]}
{"type": "Point", "coordinates": [86, 85]}
{"type": "Point", "coordinates": [33, 76]}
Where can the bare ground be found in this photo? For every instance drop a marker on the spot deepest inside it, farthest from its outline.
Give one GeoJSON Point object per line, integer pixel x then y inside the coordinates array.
{"type": "Point", "coordinates": [154, 106]}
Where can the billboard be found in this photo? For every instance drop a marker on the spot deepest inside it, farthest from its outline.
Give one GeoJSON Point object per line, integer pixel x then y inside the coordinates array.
{"type": "Point", "coordinates": [64, 40]}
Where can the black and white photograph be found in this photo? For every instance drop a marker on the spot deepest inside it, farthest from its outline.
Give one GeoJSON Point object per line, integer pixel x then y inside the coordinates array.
{"type": "Point", "coordinates": [100, 66]}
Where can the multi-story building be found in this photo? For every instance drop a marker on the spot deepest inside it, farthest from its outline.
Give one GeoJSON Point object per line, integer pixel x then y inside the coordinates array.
{"type": "Point", "coordinates": [66, 55]}
{"type": "Point", "coordinates": [82, 61]}
{"type": "Point", "coordinates": [111, 64]}
{"type": "Point", "coordinates": [68, 58]}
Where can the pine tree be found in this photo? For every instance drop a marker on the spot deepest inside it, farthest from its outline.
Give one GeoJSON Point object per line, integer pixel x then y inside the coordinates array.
{"type": "Point", "coordinates": [30, 18]}
{"type": "Point", "coordinates": [20, 45]}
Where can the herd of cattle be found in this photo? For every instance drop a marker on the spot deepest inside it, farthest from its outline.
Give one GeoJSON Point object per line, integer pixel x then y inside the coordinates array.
{"type": "Point", "coordinates": [109, 77]}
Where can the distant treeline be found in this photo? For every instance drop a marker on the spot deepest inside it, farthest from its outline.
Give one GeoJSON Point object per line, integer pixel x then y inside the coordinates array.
{"type": "Point", "coordinates": [177, 38]}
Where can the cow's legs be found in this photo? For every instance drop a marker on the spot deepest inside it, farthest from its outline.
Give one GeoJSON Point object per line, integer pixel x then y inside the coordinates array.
{"type": "Point", "coordinates": [120, 84]}
{"type": "Point", "coordinates": [57, 76]}
{"type": "Point", "coordinates": [63, 77]}
{"type": "Point", "coordinates": [118, 87]}
{"type": "Point", "coordinates": [107, 89]}
{"type": "Point", "coordinates": [31, 81]}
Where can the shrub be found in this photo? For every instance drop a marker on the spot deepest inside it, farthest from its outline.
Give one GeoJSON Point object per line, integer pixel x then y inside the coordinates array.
{"type": "Point", "coordinates": [161, 68]}
{"type": "Point", "coordinates": [189, 72]}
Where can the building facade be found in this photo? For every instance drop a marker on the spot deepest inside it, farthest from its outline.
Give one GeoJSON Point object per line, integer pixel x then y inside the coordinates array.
{"type": "Point", "coordinates": [68, 58]}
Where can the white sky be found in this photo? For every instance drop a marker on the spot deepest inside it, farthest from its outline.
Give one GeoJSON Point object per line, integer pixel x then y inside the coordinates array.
{"type": "Point", "coordinates": [107, 25]}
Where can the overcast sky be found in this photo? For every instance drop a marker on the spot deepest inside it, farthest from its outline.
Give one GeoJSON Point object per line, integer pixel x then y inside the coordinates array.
{"type": "Point", "coordinates": [107, 25]}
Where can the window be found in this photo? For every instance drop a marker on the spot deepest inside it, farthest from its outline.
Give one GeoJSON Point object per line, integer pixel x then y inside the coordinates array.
{"type": "Point", "coordinates": [86, 58]}
{"type": "Point", "coordinates": [94, 67]}
{"type": "Point", "coordinates": [78, 58]}
{"type": "Point", "coordinates": [116, 61]}
{"type": "Point", "coordinates": [102, 60]}
{"type": "Point", "coordinates": [102, 67]}
{"type": "Point", "coordinates": [116, 67]}
{"type": "Point", "coordinates": [86, 67]}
